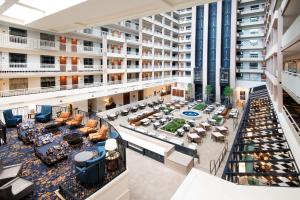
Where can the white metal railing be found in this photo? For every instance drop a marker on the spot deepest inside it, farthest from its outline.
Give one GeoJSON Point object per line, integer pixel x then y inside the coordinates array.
{"type": "Point", "coordinates": [88, 66]}
{"type": "Point", "coordinates": [7, 40]}
{"type": "Point", "coordinates": [147, 66]}
{"type": "Point", "coordinates": [114, 66]}
{"type": "Point", "coordinates": [39, 90]}
{"type": "Point", "coordinates": [133, 53]}
{"type": "Point", "coordinates": [117, 51]}
{"type": "Point", "coordinates": [133, 66]}
{"type": "Point", "coordinates": [115, 82]}
{"type": "Point", "coordinates": [17, 65]}
{"type": "Point", "coordinates": [293, 122]}
{"type": "Point", "coordinates": [132, 39]}
{"type": "Point", "coordinates": [45, 65]}
{"type": "Point", "coordinates": [131, 80]}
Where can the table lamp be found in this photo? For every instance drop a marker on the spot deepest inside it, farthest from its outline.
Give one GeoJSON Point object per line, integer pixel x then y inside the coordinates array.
{"type": "Point", "coordinates": [111, 146]}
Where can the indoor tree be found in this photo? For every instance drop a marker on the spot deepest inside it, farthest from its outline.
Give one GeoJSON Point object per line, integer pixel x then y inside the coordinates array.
{"type": "Point", "coordinates": [208, 92]}
{"type": "Point", "coordinates": [228, 92]}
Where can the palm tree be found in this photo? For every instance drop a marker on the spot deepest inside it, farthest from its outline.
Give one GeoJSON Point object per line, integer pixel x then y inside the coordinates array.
{"type": "Point", "coordinates": [208, 91]}
{"type": "Point", "coordinates": [228, 92]}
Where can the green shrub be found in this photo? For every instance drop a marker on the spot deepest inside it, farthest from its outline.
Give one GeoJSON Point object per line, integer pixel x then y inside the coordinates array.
{"type": "Point", "coordinates": [217, 118]}
{"type": "Point", "coordinates": [173, 125]}
{"type": "Point", "coordinates": [200, 106]}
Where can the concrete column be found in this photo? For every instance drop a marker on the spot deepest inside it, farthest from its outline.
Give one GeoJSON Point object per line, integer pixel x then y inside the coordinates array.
{"type": "Point", "coordinates": [205, 43]}
{"type": "Point", "coordinates": [279, 61]}
{"type": "Point", "coordinates": [140, 49]}
{"type": "Point", "coordinates": [193, 47]}
{"type": "Point", "coordinates": [218, 50]}
{"type": "Point", "coordinates": [104, 61]}
{"type": "Point", "coordinates": [124, 65]}
{"type": "Point", "coordinates": [233, 47]}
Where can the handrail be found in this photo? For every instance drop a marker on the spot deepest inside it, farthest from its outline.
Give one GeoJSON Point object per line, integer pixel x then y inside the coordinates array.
{"type": "Point", "coordinates": [215, 165]}
{"type": "Point", "coordinates": [293, 122]}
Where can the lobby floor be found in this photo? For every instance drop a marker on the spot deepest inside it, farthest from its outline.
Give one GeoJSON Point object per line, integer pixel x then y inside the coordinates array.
{"type": "Point", "coordinates": [149, 179]}
{"type": "Point", "coordinates": [208, 150]}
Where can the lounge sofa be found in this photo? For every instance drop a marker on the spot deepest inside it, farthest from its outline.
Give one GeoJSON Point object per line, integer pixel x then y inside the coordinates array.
{"type": "Point", "coordinates": [90, 127]}
{"type": "Point", "coordinates": [76, 122]}
{"type": "Point", "coordinates": [10, 119]}
{"type": "Point", "coordinates": [100, 135]}
{"type": "Point", "coordinates": [63, 117]}
{"type": "Point", "coordinates": [45, 115]}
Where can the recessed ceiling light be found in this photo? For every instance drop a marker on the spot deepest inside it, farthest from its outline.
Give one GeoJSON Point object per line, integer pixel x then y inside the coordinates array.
{"type": "Point", "coordinates": [2, 2]}
{"type": "Point", "coordinates": [51, 6]}
{"type": "Point", "coordinates": [23, 13]}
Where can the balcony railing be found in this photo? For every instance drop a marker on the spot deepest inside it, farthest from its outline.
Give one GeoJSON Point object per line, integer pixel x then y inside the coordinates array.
{"type": "Point", "coordinates": [40, 90]}
{"type": "Point", "coordinates": [114, 66]}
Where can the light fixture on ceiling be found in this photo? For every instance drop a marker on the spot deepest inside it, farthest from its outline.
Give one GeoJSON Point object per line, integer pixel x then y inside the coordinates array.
{"type": "Point", "coordinates": [31, 10]}
{"type": "Point", "coordinates": [2, 2]}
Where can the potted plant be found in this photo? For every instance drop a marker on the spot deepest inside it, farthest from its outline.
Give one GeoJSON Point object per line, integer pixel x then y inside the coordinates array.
{"type": "Point", "coordinates": [228, 92]}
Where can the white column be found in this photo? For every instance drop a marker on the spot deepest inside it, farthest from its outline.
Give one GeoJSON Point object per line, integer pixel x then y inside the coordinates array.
{"type": "Point", "coordinates": [218, 50]}
{"type": "Point", "coordinates": [205, 43]}
{"type": "Point", "coordinates": [233, 47]}
{"type": "Point", "coordinates": [104, 60]}
{"type": "Point", "coordinates": [193, 46]}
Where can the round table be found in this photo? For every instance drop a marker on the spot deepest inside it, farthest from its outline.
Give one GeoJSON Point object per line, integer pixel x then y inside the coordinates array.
{"type": "Point", "coordinates": [83, 156]}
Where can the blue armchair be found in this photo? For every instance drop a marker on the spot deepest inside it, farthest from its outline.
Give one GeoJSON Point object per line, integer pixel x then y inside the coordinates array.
{"type": "Point", "coordinates": [10, 119]}
{"type": "Point", "coordinates": [94, 171]}
{"type": "Point", "coordinates": [114, 134]}
{"type": "Point", "coordinates": [101, 146]}
{"type": "Point", "coordinates": [45, 115]}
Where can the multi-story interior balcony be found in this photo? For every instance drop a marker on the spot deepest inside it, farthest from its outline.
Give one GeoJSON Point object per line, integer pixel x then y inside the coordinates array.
{"type": "Point", "coordinates": [129, 24]}
{"type": "Point", "coordinates": [7, 67]}
{"type": "Point", "coordinates": [253, 9]}
{"type": "Point", "coordinates": [251, 34]}
{"type": "Point", "coordinates": [251, 22]}
{"type": "Point", "coordinates": [147, 30]}
{"type": "Point", "coordinates": [133, 68]}
{"type": "Point", "coordinates": [250, 70]}
{"type": "Point", "coordinates": [115, 36]}
{"type": "Point", "coordinates": [119, 52]}
{"type": "Point", "coordinates": [133, 54]}
{"type": "Point", "coordinates": [147, 55]}
{"type": "Point", "coordinates": [257, 58]}
{"type": "Point", "coordinates": [185, 11]}
{"type": "Point", "coordinates": [291, 83]}
{"type": "Point", "coordinates": [147, 43]}
{"type": "Point", "coordinates": [132, 40]}
{"type": "Point", "coordinates": [91, 31]}
{"type": "Point", "coordinates": [185, 20]}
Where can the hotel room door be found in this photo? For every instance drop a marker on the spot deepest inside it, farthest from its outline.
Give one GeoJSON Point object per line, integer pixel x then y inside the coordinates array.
{"type": "Point", "coordinates": [141, 95]}
{"type": "Point", "coordinates": [126, 98]}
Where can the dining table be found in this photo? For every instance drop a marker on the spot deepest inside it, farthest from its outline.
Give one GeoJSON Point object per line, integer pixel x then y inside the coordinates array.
{"type": "Point", "coordinates": [218, 136]}
{"type": "Point", "coordinates": [200, 130]}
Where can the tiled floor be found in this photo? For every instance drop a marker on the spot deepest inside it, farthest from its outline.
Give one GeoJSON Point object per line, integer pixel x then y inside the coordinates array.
{"type": "Point", "coordinates": [208, 149]}
{"type": "Point", "coordinates": [149, 179]}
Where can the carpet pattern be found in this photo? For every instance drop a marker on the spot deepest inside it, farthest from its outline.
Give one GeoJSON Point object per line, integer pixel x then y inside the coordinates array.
{"type": "Point", "coordinates": [45, 178]}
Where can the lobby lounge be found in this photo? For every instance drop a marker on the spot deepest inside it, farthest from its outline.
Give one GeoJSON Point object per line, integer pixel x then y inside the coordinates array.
{"type": "Point", "coordinates": [59, 159]}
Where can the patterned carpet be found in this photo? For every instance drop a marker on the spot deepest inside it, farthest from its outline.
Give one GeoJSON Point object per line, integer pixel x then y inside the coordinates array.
{"type": "Point", "coordinates": [45, 178]}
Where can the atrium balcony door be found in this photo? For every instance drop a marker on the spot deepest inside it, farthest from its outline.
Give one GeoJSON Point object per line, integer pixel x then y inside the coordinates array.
{"type": "Point", "coordinates": [74, 64]}
{"type": "Point", "coordinates": [74, 45]}
{"type": "Point", "coordinates": [74, 82]}
{"type": "Point", "coordinates": [63, 82]}
{"type": "Point", "coordinates": [141, 95]}
{"type": "Point", "coordinates": [63, 43]}
{"type": "Point", "coordinates": [126, 98]}
{"type": "Point", "coordinates": [63, 63]}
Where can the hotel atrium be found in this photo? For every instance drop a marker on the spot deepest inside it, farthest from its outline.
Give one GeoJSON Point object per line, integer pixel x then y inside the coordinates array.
{"type": "Point", "coordinates": [149, 99]}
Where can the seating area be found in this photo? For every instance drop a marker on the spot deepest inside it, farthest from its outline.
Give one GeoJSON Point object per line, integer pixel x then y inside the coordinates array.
{"type": "Point", "coordinates": [49, 150]}
{"type": "Point", "coordinates": [260, 154]}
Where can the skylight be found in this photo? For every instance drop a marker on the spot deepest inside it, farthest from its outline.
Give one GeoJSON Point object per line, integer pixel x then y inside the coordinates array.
{"type": "Point", "coordinates": [31, 10]}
